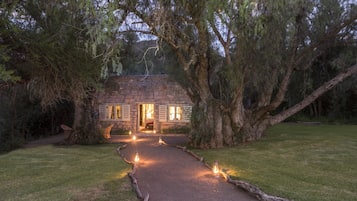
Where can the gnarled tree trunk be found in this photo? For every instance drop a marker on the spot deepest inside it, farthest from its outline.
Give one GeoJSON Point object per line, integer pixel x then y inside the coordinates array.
{"type": "Point", "coordinates": [85, 129]}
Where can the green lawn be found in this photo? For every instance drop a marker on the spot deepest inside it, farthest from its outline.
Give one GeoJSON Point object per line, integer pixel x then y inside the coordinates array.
{"type": "Point", "coordinates": [65, 173]}
{"type": "Point", "coordinates": [298, 162]}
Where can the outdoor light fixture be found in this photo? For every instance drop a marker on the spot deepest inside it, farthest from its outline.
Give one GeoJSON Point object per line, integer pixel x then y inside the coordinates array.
{"type": "Point", "coordinates": [129, 132]}
{"type": "Point", "coordinates": [134, 137]}
{"type": "Point", "coordinates": [215, 168]}
{"type": "Point", "coordinates": [137, 158]}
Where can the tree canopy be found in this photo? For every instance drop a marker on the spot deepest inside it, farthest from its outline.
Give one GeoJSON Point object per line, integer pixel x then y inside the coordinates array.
{"type": "Point", "coordinates": [236, 58]}
{"type": "Point", "coordinates": [51, 47]}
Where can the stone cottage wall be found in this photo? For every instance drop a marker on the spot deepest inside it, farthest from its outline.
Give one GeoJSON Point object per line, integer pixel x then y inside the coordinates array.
{"type": "Point", "coordinates": [135, 90]}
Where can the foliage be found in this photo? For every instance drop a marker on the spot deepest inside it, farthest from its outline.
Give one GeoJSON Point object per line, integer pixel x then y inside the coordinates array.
{"type": "Point", "coordinates": [295, 161]}
{"type": "Point", "coordinates": [51, 43]}
{"type": "Point", "coordinates": [177, 130]}
{"type": "Point", "coordinates": [236, 59]}
{"type": "Point", "coordinates": [24, 120]}
{"type": "Point", "coordinates": [336, 104]}
{"type": "Point", "coordinates": [64, 173]}
{"type": "Point", "coordinates": [6, 75]}
{"type": "Point", "coordinates": [262, 47]}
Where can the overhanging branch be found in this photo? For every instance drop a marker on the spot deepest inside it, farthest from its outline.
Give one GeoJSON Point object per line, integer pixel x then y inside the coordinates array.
{"type": "Point", "coordinates": [314, 95]}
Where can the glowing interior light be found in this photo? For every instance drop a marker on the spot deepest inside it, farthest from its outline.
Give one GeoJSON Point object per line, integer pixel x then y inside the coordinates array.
{"type": "Point", "coordinates": [215, 168]}
{"type": "Point", "coordinates": [154, 131]}
{"type": "Point", "coordinates": [137, 158]}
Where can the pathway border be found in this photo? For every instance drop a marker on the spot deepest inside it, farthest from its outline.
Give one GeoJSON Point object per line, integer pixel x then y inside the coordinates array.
{"type": "Point", "coordinates": [131, 175]}
{"type": "Point", "coordinates": [253, 190]}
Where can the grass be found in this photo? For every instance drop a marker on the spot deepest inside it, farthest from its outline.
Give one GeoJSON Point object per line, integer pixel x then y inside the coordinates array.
{"type": "Point", "coordinates": [298, 162]}
{"type": "Point", "coordinates": [64, 173]}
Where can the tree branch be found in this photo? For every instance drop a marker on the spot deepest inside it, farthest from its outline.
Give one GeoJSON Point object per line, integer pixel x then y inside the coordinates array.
{"type": "Point", "coordinates": [314, 95]}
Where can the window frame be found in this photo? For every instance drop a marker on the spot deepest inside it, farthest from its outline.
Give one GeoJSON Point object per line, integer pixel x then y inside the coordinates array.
{"type": "Point", "coordinates": [114, 108]}
{"type": "Point", "coordinates": [175, 106]}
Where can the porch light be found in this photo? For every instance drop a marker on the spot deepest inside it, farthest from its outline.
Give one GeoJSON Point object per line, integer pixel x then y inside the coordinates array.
{"type": "Point", "coordinates": [137, 158]}
{"type": "Point", "coordinates": [215, 168]}
{"type": "Point", "coordinates": [134, 137]}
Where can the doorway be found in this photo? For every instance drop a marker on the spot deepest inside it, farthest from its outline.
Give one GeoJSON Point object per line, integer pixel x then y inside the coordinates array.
{"type": "Point", "coordinates": [146, 117]}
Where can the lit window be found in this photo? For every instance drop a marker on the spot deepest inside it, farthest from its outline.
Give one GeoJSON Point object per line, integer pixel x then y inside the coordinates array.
{"type": "Point", "coordinates": [175, 113]}
{"type": "Point", "coordinates": [114, 112]}
{"type": "Point", "coordinates": [118, 111]}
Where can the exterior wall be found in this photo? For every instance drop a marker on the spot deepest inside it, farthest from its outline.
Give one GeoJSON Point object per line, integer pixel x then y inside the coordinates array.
{"type": "Point", "coordinates": [131, 91]}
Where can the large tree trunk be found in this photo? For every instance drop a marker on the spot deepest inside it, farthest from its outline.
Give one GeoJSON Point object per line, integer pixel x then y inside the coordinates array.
{"type": "Point", "coordinates": [212, 126]}
{"type": "Point", "coordinates": [85, 129]}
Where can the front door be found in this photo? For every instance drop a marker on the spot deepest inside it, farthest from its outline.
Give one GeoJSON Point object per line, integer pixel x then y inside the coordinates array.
{"type": "Point", "coordinates": [146, 117]}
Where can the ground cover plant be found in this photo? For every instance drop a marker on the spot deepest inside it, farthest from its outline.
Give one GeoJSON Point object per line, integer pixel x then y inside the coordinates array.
{"type": "Point", "coordinates": [64, 173]}
{"type": "Point", "coordinates": [297, 161]}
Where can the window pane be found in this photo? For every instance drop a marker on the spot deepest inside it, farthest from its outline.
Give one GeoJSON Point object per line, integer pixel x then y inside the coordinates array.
{"type": "Point", "coordinates": [178, 113]}
{"type": "Point", "coordinates": [171, 113]}
{"type": "Point", "coordinates": [118, 110]}
{"type": "Point", "coordinates": [109, 112]}
{"type": "Point", "coordinates": [112, 112]}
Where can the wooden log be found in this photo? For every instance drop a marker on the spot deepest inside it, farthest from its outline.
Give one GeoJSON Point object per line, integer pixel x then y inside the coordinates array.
{"type": "Point", "coordinates": [147, 197]}
{"type": "Point", "coordinates": [135, 186]}
{"type": "Point", "coordinates": [134, 181]}
{"type": "Point", "coordinates": [255, 191]}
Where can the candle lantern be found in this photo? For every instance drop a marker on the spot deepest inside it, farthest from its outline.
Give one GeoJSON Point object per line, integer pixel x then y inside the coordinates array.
{"type": "Point", "coordinates": [215, 168]}
{"type": "Point", "coordinates": [137, 158]}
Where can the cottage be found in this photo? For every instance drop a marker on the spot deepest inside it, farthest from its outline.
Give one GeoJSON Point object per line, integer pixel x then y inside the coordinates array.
{"type": "Point", "coordinates": [144, 104]}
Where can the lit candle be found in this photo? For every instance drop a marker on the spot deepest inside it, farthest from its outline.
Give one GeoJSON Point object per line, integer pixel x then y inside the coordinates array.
{"type": "Point", "coordinates": [137, 158]}
{"type": "Point", "coordinates": [215, 168]}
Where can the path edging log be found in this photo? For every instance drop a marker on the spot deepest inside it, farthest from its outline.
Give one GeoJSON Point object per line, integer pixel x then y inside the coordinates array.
{"type": "Point", "coordinates": [255, 191]}
{"type": "Point", "coordinates": [131, 175]}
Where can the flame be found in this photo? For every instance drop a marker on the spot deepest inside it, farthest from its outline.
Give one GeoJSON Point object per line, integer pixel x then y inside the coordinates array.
{"type": "Point", "coordinates": [215, 168]}
{"type": "Point", "coordinates": [137, 158]}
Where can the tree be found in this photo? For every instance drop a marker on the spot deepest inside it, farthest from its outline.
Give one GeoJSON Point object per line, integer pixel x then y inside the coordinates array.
{"type": "Point", "coordinates": [263, 42]}
{"type": "Point", "coordinates": [51, 41]}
